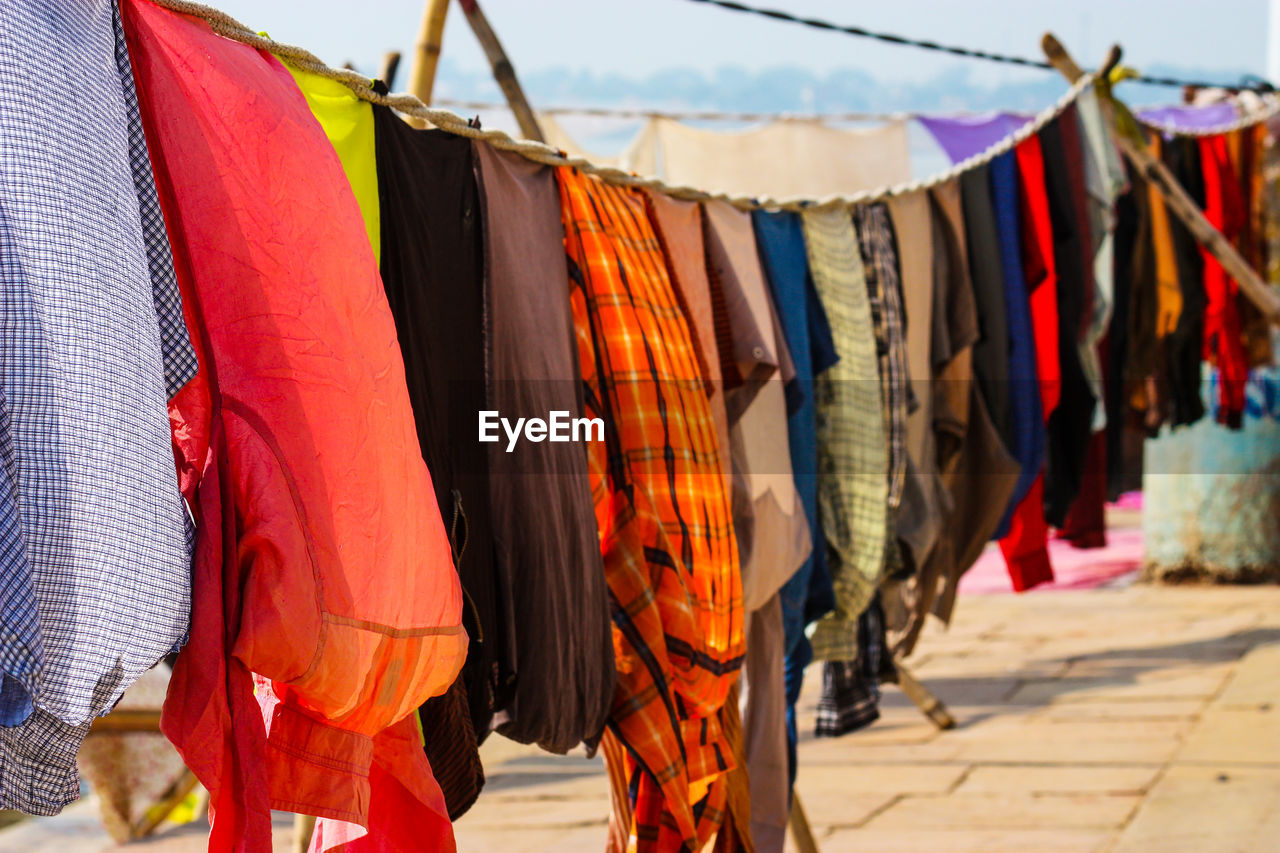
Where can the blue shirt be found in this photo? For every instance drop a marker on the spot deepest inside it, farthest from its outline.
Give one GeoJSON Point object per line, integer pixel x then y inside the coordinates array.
{"type": "Point", "coordinates": [780, 239]}
{"type": "Point", "coordinates": [1026, 416]}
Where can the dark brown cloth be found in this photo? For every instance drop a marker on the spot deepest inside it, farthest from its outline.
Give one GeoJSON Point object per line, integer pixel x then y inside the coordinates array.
{"type": "Point", "coordinates": [560, 641]}
{"type": "Point", "coordinates": [432, 271]}
{"type": "Point", "coordinates": [991, 352]}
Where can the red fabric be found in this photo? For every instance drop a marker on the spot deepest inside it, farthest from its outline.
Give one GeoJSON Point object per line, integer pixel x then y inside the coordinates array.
{"type": "Point", "coordinates": [1225, 210]}
{"type": "Point", "coordinates": [1086, 523]}
{"type": "Point", "coordinates": [321, 561]}
{"type": "Point", "coordinates": [1025, 548]}
{"type": "Point", "coordinates": [1040, 270]}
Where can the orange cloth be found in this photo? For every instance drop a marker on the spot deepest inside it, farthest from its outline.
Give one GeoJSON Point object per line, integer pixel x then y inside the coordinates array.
{"type": "Point", "coordinates": [1168, 291]}
{"type": "Point", "coordinates": [322, 565]}
{"type": "Point", "coordinates": [663, 514]}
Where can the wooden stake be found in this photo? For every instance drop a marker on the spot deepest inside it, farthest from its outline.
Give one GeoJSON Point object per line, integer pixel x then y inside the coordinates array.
{"type": "Point", "coordinates": [798, 823]}
{"type": "Point", "coordinates": [426, 55]}
{"type": "Point", "coordinates": [503, 72]}
{"type": "Point", "coordinates": [931, 706]}
{"type": "Point", "coordinates": [1182, 205]}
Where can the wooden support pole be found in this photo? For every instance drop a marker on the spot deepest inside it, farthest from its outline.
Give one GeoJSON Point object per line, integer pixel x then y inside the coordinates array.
{"type": "Point", "coordinates": [426, 55]}
{"type": "Point", "coordinates": [931, 706]}
{"type": "Point", "coordinates": [127, 720]}
{"type": "Point", "coordinates": [390, 65]}
{"type": "Point", "coordinates": [503, 72]}
{"type": "Point", "coordinates": [798, 823]}
{"type": "Point", "coordinates": [303, 826]}
{"type": "Point", "coordinates": [1183, 206]}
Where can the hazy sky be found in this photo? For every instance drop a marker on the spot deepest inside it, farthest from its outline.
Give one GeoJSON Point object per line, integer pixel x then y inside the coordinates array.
{"type": "Point", "coordinates": [637, 37]}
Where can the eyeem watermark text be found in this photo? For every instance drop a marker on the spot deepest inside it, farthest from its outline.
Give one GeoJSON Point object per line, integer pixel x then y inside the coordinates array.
{"type": "Point", "coordinates": [557, 427]}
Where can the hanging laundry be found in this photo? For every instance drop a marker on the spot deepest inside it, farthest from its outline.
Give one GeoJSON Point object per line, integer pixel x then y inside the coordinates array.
{"type": "Point", "coordinates": [1017, 189]}
{"type": "Point", "coordinates": [1190, 117]}
{"type": "Point", "coordinates": [1184, 345]}
{"type": "Point", "coordinates": [853, 457]}
{"type": "Point", "coordinates": [962, 137]}
{"type": "Point", "coordinates": [918, 517]}
{"type": "Point", "coordinates": [312, 476]}
{"type": "Point", "coordinates": [663, 519]}
{"type": "Point", "coordinates": [773, 534]}
{"type": "Point", "coordinates": [1102, 180]}
{"type": "Point", "coordinates": [559, 640]}
{"type": "Point", "coordinates": [1121, 467]}
{"type": "Point", "coordinates": [1070, 424]}
{"type": "Point", "coordinates": [94, 562]}
{"type": "Point", "coordinates": [1225, 210]}
{"type": "Point", "coordinates": [984, 464]}
{"type": "Point", "coordinates": [849, 690]}
{"type": "Point", "coordinates": [348, 122]}
{"type": "Point", "coordinates": [850, 697]}
{"type": "Point", "coordinates": [808, 594]}
{"type": "Point", "coordinates": [1032, 366]}
{"type": "Point", "coordinates": [879, 246]}
{"type": "Point", "coordinates": [785, 158]}
{"type": "Point", "coordinates": [679, 227]}
{"type": "Point", "coordinates": [991, 352]}
{"type": "Point", "coordinates": [954, 330]}
{"type": "Point", "coordinates": [433, 275]}
{"type": "Point", "coordinates": [1106, 181]}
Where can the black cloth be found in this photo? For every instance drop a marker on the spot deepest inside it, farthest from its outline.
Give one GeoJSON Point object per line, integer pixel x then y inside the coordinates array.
{"type": "Point", "coordinates": [1184, 346]}
{"type": "Point", "coordinates": [1070, 426]}
{"type": "Point", "coordinates": [851, 689]}
{"type": "Point", "coordinates": [991, 352]}
{"type": "Point", "coordinates": [1116, 346]}
{"type": "Point", "coordinates": [433, 273]}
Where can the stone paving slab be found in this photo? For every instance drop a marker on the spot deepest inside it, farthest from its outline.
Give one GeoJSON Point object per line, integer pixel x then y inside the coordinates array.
{"type": "Point", "coordinates": [1008, 810]}
{"type": "Point", "coordinates": [1108, 721]}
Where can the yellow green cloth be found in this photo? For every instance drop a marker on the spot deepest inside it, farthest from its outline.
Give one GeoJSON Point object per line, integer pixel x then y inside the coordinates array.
{"type": "Point", "coordinates": [348, 122]}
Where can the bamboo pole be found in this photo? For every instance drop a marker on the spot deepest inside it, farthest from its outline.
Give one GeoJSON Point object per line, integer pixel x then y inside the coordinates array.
{"type": "Point", "coordinates": [127, 720]}
{"type": "Point", "coordinates": [1182, 205]}
{"type": "Point", "coordinates": [390, 65]}
{"type": "Point", "coordinates": [503, 72]}
{"type": "Point", "coordinates": [426, 56]}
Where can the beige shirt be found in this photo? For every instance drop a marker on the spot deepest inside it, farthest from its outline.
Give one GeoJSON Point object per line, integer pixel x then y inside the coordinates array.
{"type": "Point", "coordinates": [773, 534]}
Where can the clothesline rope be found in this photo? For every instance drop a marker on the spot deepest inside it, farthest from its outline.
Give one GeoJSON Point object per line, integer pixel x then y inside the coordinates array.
{"type": "Point", "coordinates": [682, 115]}
{"type": "Point", "coordinates": [228, 27]}
{"type": "Point", "coordinates": [1250, 119]}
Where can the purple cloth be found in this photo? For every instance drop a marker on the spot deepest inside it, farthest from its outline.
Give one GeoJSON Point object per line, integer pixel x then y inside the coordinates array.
{"type": "Point", "coordinates": [1190, 118]}
{"type": "Point", "coordinates": [961, 137]}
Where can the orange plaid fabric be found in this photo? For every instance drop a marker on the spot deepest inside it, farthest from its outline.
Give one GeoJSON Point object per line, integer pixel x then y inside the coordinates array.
{"type": "Point", "coordinates": [670, 556]}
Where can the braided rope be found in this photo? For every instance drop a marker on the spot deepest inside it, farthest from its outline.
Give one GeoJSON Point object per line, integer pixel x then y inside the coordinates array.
{"type": "Point", "coordinates": [683, 115]}
{"type": "Point", "coordinates": [1255, 117]}
{"type": "Point", "coordinates": [225, 25]}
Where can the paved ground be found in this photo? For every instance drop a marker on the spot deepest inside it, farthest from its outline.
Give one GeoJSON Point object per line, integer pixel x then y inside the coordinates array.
{"type": "Point", "coordinates": [1128, 718]}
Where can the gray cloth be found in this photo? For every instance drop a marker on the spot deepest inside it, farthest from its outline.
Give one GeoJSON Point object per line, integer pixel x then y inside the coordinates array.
{"type": "Point", "coordinates": [764, 726]}
{"type": "Point", "coordinates": [559, 634]}
{"type": "Point", "coordinates": [84, 370]}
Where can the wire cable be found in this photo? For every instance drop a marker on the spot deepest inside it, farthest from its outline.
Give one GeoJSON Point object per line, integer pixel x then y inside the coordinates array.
{"type": "Point", "coordinates": [1249, 82]}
